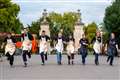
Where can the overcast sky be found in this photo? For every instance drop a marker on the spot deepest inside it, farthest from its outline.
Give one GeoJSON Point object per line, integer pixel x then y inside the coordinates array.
{"type": "Point", "coordinates": [92, 10]}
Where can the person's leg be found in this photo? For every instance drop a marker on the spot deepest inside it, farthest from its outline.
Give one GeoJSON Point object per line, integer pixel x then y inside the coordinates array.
{"type": "Point", "coordinates": [111, 60]}
{"type": "Point", "coordinates": [72, 58]}
{"type": "Point", "coordinates": [29, 55]}
{"type": "Point", "coordinates": [24, 57]}
{"type": "Point", "coordinates": [83, 59]}
{"type": "Point", "coordinates": [42, 57]}
{"type": "Point", "coordinates": [11, 60]}
{"type": "Point", "coordinates": [68, 59]}
{"type": "Point", "coordinates": [7, 55]}
{"type": "Point", "coordinates": [84, 55]}
{"type": "Point", "coordinates": [96, 59]}
{"type": "Point", "coordinates": [108, 58]}
{"type": "Point", "coordinates": [46, 58]}
{"type": "Point", "coordinates": [59, 56]}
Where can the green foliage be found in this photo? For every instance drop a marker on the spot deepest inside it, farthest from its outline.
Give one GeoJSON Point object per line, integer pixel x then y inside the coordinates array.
{"type": "Point", "coordinates": [34, 27]}
{"type": "Point", "coordinates": [90, 31]}
{"type": "Point", "coordinates": [68, 23]}
{"type": "Point", "coordinates": [57, 22]}
{"type": "Point", "coordinates": [112, 18]}
{"type": "Point", "coordinates": [8, 17]}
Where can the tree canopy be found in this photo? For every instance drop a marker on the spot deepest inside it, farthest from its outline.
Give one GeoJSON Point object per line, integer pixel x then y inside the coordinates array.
{"type": "Point", "coordinates": [112, 18]}
{"type": "Point", "coordinates": [9, 21]}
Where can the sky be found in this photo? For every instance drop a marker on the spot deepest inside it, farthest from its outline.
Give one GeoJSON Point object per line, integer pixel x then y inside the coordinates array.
{"type": "Point", "coordinates": [91, 10]}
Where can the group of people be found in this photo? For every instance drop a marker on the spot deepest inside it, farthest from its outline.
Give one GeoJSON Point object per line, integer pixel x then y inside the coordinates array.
{"type": "Point", "coordinates": [60, 40]}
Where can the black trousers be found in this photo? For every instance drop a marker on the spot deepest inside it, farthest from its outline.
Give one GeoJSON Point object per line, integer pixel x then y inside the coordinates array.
{"type": "Point", "coordinates": [70, 57]}
{"type": "Point", "coordinates": [10, 58]}
{"type": "Point", "coordinates": [24, 55]}
{"type": "Point", "coordinates": [43, 56]}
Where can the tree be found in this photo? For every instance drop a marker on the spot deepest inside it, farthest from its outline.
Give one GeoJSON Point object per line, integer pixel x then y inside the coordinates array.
{"type": "Point", "coordinates": [90, 31]}
{"type": "Point", "coordinates": [69, 19]}
{"type": "Point", "coordinates": [34, 27]}
{"type": "Point", "coordinates": [55, 24]}
{"type": "Point", "coordinates": [112, 18]}
{"type": "Point", "coordinates": [8, 17]}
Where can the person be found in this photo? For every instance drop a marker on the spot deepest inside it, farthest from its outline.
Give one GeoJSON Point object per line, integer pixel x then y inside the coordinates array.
{"type": "Point", "coordinates": [59, 48]}
{"type": "Point", "coordinates": [26, 45]}
{"type": "Point", "coordinates": [83, 48]}
{"type": "Point", "coordinates": [10, 48]}
{"type": "Point", "coordinates": [112, 48]}
{"type": "Point", "coordinates": [97, 49]}
{"type": "Point", "coordinates": [43, 46]}
{"type": "Point", "coordinates": [34, 44]}
{"type": "Point", "coordinates": [70, 50]}
{"type": "Point", "coordinates": [98, 38]}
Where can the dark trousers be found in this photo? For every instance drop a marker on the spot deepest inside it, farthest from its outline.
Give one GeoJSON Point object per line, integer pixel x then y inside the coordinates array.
{"type": "Point", "coordinates": [10, 58]}
{"type": "Point", "coordinates": [83, 58]}
{"type": "Point", "coordinates": [70, 57]}
{"type": "Point", "coordinates": [43, 57]}
{"type": "Point", "coordinates": [24, 55]}
{"type": "Point", "coordinates": [83, 52]}
{"type": "Point", "coordinates": [96, 58]}
{"type": "Point", "coordinates": [110, 58]}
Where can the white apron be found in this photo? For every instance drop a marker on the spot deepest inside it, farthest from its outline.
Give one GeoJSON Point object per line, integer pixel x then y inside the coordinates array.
{"type": "Point", "coordinates": [10, 47]}
{"type": "Point", "coordinates": [26, 45]}
{"type": "Point", "coordinates": [43, 46]}
{"type": "Point", "coordinates": [97, 47]}
{"type": "Point", "coordinates": [59, 46]}
{"type": "Point", "coordinates": [70, 48]}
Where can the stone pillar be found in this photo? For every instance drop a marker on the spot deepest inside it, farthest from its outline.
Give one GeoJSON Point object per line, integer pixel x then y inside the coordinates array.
{"type": "Point", "coordinates": [78, 35]}
{"type": "Point", "coordinates": [78, 31]}
{"type": "Point", "coordinates": [44, 24]}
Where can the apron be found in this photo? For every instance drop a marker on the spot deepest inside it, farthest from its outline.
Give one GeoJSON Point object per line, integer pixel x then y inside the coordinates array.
{"type": "Point", "coordinates": [10, 47]}
{"type": "Point", "coordinates": [59, 45]}
{"type": "Point", "coordinates": [43, 46]}
{"type": "Point", "coordinates": [70, 48]}
{"type": "Point", "coordinates": [26, 45]}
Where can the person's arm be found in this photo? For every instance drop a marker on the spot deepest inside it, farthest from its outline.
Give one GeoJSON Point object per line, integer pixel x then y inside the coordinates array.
{"type": "Point", "coordinates": [87, 42]}
{"type": "Point", "coordinates": [48, 38]}
{"type": "Point", "coordinates": [117, 47]}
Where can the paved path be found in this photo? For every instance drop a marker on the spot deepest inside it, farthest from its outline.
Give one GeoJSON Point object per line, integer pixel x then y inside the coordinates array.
{"type": "Point", "coordinates": [52, 71]}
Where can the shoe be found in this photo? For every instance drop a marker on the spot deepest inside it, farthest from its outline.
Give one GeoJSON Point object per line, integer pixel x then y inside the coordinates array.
{"type": "Point", "coordinates": [96, 63]}
{"type": "Point", "coordinates": [111, 64]}
{"type": "Point", "coordinates": [68, 62]}
{"type": "Point", "coordinates": [25, 64]}
{"type": "Point", "coordinates": [42, 63]}
{"type": "Point", "coordinates": [72, 62]}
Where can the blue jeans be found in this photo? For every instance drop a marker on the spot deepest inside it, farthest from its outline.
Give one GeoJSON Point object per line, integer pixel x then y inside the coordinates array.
{"type": "Point", "coordinates": [83, 52]}
{"type": "Point", "coordinates": [96, 58]}
{"type": "Point", "coordinates": [59, 57]}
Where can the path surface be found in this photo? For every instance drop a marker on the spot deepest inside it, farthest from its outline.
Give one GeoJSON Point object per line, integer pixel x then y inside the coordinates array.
{"type": "Point", "coordinates": [52, 71]}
